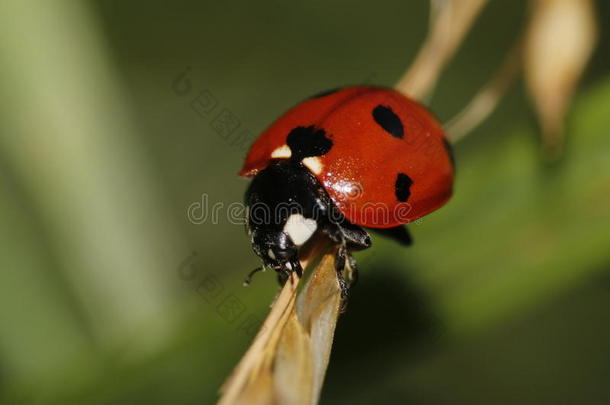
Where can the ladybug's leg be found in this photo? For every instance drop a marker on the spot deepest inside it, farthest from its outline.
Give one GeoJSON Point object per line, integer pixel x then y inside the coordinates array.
{"type": "Point", "coordinates": [340, 263]}
{"type": "Point", "coordinates": [349, 237]}
{"type": "Point", "coordinates": [352, 268]}
{"type": "Point", "coordinates": [345, 261]}
{"type": "Point", "coordinates": [340, 266]}
{"type": "Point", "coordinates": [282, 276]}
{"type": "Point", "coordinates": [284, 272]}
{"type": "Point", "coordinates": [353, 236]}
{"type": "Point", "coordinates": [354, 239]}
{"type": "Point", "coordinates": [340, 258]}
{"type": "Point", "coordinates": [296, 267]}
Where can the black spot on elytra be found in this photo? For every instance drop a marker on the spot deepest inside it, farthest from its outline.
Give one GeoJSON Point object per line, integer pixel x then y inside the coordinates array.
{"type": "Point", "coordinates": [389, 121]}
{"type": "Point", "coordinates": [403, 187]}
{"type": "Point", "coordinates": [449, 150]}
{"type": "Point", "coordinates": [325, 93]}
{"type": "Point", "coordinates": [308, 141]}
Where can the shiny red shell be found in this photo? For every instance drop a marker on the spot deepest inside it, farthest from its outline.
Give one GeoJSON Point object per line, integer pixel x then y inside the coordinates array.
{"type": "Point", "coordinates": [360, 170]}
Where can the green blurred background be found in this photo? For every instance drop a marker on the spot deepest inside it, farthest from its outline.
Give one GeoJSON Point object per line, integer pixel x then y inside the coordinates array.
{"type": "Point", "coordinates": [116, 117]}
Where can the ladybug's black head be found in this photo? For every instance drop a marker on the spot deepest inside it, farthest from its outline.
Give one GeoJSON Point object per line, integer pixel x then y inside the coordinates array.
{"type": "Point", "coordinates": [285, 206]}
{"type": "Point", "coordinates": [275, 248]}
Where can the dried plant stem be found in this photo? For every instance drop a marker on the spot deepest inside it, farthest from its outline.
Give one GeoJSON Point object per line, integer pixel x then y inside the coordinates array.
{"type": "Point", "coordinates": [487, 98]}
{"type": "Point", "coordinates": [287, 360]}
{"type": "Point", "coordinates": [451, 20]}
{"type": "Point", "coordinates": [249, 368]}
{"type": "Point", "coordinates": [560, 40]}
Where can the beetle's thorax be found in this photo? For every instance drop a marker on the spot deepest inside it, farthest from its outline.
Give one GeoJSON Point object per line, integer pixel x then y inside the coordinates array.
{"type": "Point", "coordinates": [285, 206]}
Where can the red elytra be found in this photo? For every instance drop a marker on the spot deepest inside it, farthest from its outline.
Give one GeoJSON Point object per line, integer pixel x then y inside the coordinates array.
{"type": "Point", "coordinates": [360, 170]}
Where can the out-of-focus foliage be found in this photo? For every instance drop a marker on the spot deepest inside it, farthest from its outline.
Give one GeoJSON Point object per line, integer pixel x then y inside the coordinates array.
{"type": "Point", "coordinates": [559, 41]}
{"type": "Point", "coordinates": [109, 132]}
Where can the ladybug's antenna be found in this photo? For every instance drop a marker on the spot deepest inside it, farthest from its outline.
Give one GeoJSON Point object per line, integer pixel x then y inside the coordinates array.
{"type": "Point", "coordinates": [248, 279]}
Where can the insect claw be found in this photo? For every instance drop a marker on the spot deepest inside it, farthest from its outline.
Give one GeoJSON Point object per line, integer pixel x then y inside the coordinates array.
{"type": "Point", "coordinates": [297, 268]}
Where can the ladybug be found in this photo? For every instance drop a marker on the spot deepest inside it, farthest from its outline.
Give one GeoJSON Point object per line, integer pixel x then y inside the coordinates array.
{"type": "Point", "coordinates": [343, 161]}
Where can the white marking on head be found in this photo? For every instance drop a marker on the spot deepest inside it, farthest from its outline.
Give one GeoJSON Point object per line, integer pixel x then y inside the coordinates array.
{"type": "Point", "coordinates": [314, 164]}
{"type": "Point", "coordinates": [283, 152]}
{"type": "Point", "coordinates": [300, 228]}
{"type": "Point", "coordinates": [271, 254]}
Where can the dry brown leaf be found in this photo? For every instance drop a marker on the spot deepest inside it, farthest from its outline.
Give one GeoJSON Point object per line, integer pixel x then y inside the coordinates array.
{"type": "Point", "coordinates": [287, 361]}
{"type": "Point", "coordinates": [559, 42]}
{"type": "Point", "coordinates": [318, 309]}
